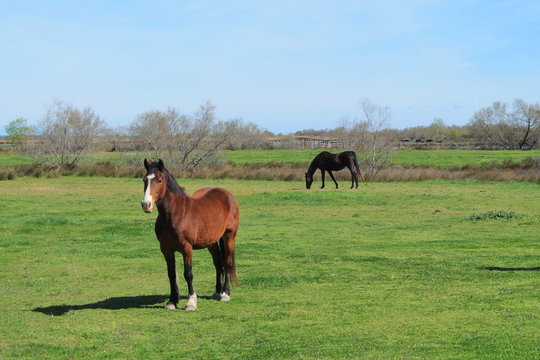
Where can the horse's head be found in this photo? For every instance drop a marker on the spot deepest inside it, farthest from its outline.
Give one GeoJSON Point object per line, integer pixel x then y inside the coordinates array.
{"type": "Point", "coordinates": [155, 185]}
{"type": "Point", "coordinates": [309, 180]}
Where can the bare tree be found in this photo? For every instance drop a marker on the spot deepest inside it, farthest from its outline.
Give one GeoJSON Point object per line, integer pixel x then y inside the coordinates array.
{"type": "Point", "coordinates": [156, 132]}
{"type": "Point", "coordinates": [518, 128]}
{"type": "Point", "coordinates": [376, 120]}
{"type": "Point", "coordinates": [244, 135]}
{"type": "Point", "coordinates": [186, 142]}
{"type": "Point", "coordinates": [491, 125]}
{"type": "Point", "coordinates": [195, 137]}
{"type": "Point", "coordinates": [352, 132]}
{"type": "Point", "coordinates": [370, 132]}
{"type": "Point", "coordinates": [526, 118]}
{"type": "Point", "coordinates": [66, 134]}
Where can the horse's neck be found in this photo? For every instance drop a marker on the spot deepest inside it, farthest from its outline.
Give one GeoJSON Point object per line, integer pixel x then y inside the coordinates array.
{"type": "Point", "coordinates": [313, 167]}
{"type": "Point", "coordinates": [172, 203]}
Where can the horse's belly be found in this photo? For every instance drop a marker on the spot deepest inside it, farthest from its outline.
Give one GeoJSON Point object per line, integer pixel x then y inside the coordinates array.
{"type": "Point", "coordinates": [336, 167]}
{"type": "Point", "coordinates": [202, 232]}
{"type": "Point", "coordinates": [207, 236]}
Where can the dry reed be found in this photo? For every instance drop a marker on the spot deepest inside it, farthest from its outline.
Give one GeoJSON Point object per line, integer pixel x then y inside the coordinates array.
{"type": "Point", "coordinates": [511, 172]}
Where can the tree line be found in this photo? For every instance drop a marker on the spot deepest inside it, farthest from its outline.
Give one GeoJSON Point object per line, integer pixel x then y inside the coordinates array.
{"type": "Point", "coordinates": [66, 133]}
{"type": "Point", "coordinates": [498, 126]}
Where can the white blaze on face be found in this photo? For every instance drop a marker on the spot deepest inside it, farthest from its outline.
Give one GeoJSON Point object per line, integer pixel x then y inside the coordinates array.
{"type": "Point", "coordinates": [147, 197]}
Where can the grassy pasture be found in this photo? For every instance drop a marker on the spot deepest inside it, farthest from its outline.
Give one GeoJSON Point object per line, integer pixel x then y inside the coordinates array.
{"type": "Point", "coordinates": [391, 270]}
{"type": "Point", "coordinates": [441, 159]}
{"type": "Point", "coordinates": [14, 159]}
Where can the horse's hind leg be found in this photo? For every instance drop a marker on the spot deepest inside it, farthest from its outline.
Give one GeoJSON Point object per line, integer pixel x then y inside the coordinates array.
{"type": "Point", "coordinates": [354, 178]}
{"type": "Point", "coordinates": [227, 251]}
{"type": "Point", "coordinates": [218, 264]}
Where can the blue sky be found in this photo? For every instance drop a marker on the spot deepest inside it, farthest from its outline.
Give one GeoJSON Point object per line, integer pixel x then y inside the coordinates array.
{"type": "Point", "coordinates": [285, 65]}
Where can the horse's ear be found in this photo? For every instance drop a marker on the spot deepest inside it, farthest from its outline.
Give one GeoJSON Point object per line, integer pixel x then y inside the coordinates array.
{"type": "Point", "coordinates": [160, 165]}
{"type": "Point", "coordinates": [146, 165]}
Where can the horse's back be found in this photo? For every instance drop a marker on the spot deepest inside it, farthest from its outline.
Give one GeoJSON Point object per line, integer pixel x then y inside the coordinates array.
{"type": "Point", "coordinates": [323, 155]}
{"type": "Point", "coordinates": [348, 154]}
{"type": "Point", "coordinates": [347, 157]}
{"type": "Point", "coordinates": [217, 203]}
{"type": "Point", "coordinates": [214, 194]}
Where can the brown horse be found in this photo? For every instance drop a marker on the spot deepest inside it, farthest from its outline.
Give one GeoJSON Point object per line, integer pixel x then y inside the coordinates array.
{"type": "Point", "coordinates": [334, 162]}
{"type": "Point", "coordinates": [208, 219]}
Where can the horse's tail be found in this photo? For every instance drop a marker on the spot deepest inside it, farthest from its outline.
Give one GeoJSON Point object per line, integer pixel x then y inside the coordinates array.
{"type": "Point", "coordinates": [358, 172]}
{"type": "Point", "coordinates": [226, 247]}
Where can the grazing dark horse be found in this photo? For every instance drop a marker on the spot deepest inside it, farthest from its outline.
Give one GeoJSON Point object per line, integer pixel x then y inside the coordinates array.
{"type": "Point", "coordinates": [334, 162]}
{"type": "Point", "coordinates": [208, 219]}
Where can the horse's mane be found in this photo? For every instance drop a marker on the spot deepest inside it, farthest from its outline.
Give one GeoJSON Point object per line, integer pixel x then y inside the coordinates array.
{"type": "Point", "coordinates": [315, 162]}
{"type": "Point", "coordinates": [172, 184]}
{"type": "Point", "coordinates": [313, 165]}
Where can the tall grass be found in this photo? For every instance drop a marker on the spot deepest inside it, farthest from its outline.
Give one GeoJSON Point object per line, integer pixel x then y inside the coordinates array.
{"type": "Point", "coordinates": [484, 174]}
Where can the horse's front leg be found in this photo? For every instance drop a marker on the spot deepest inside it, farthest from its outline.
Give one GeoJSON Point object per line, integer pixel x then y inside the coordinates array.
{"type": "Point", "coordinates": [171, 272]}
{"type": "Point", "coordinates": [188, 275]}
{"type": "Point", "coordinates": [333, 178]}
{"type": "Point", "coordinates": [322, 175]}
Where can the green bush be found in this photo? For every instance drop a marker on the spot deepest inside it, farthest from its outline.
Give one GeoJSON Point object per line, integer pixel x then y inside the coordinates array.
{"type": "Point", "coordinates": [494, 215]}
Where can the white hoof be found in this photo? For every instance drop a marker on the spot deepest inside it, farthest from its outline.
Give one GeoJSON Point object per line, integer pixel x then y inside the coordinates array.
{"type": "Point", "coordinates": [170, 306]}
{"type": "Point", "coordinates": [221, 297]}
{"type": "Point", "coordinates": [192, 303]}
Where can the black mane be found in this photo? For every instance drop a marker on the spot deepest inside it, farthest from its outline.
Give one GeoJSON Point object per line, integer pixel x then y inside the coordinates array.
{"type": "Point", "coordinates": [316, 162]}
{"type": "Point", "coordinates": [172, 184]}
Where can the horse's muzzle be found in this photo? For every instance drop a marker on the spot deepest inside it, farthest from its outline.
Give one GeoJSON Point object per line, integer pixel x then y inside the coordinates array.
{"type": "Point", "coordinates": [147, 206]}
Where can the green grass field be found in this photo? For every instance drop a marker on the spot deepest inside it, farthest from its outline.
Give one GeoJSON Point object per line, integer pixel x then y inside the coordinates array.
{"type": "Point", "coordinates": [443, 159]}
{"type": "Point", "coordinates": [14, 159]}
{"type": "Point", "coordinates": [388, 271]}
{"type": "Point", "coordinates": [448, 159]}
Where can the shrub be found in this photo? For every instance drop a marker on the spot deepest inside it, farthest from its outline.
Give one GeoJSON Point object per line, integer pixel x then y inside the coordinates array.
{"type": "Point", "coordinates": [7, 174]}
{"type": "Point", "coordinates": [531, 162]}
{"type": "Point", "coordinates": [493, 215]}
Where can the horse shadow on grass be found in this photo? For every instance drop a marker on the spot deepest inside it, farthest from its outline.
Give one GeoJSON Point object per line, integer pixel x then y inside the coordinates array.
{"type": "Point", "coordinates": [497, 268]}
{"type": "Point", "coordinates": [114, 303]}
